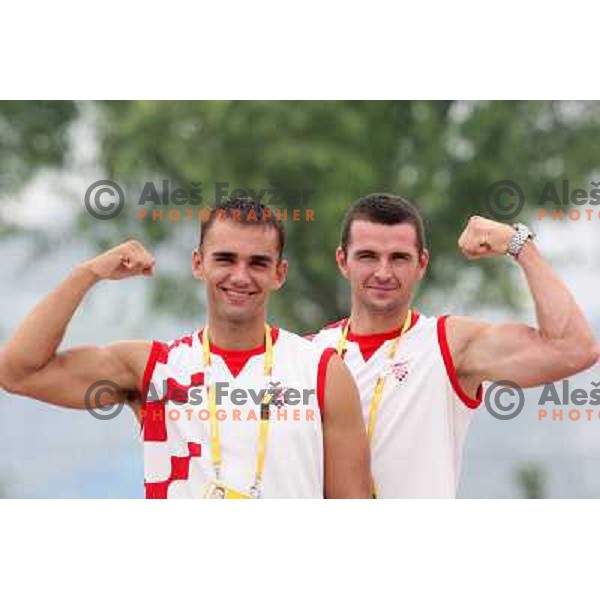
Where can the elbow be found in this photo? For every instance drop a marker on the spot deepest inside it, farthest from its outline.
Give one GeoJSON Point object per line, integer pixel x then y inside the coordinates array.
{"type": "Point", "coordinates": [3, 372]}
{"type": "Point", "coordinates": [5, 383]}
{"type": "Point", "coordinates": [590, 354]}
{"type": "Point", "coordinates": [8, 382]}
{"type": "Point", "coordinates": [594, 355]}
{"type": "Point", "coordinates": [8, 388]}
{"type": "Point", "coordinates": [12, 386]}
{"type": "Point", "coordinates": [582, 357]}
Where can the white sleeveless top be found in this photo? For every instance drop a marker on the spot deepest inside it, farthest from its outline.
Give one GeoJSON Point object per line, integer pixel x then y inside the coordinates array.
{"type": "Point", "coordinates": [423, 416]}
{"type": "Point", "coordinates": [176, 426]}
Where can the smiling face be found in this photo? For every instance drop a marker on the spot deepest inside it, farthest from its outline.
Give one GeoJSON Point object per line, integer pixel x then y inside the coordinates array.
{"type": "Point", "coordinates": [383, 265]}
{"type": "Point", "coordinates": [240, 265]}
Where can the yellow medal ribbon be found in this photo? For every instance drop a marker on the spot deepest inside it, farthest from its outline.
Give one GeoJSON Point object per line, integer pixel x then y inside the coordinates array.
{"type": "Point", "coordinates": [380, 383]}
{"type": "Point", "coordinates": [263, 433]}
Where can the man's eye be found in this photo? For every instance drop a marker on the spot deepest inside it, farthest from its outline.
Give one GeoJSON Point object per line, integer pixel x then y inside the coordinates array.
{"type": "Point", "coordinates": [223, 259]}
{"type": "Point", "coordinates": [259, 264]}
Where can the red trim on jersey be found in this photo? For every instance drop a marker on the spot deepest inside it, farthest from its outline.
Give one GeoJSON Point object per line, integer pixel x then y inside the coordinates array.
{"type": "Point", "coordinates": [415, 318]}
{"type": "Point", "coordinates": [321, 373]}
{"type": "Point", "coordinates": [159, 353]}
{"type": "Point", "coordinates": [180, 471]}
{"type": "Point", "coordinates": [451, 370]}
{"type": "Point", "coordinates": [369, 343]}
{"type": "Point", "coordinates": [309, 336]}
{"type": "Point", "coordinates": [236, 359]}
{"type": "Point", "coordinates": [371, 338]}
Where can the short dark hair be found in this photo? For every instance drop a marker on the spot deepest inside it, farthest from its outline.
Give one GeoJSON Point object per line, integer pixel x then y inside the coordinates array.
{"type": "Point", "coordinates": [245, 211]}
{"type": "Point", "coordinates": [386, 209]}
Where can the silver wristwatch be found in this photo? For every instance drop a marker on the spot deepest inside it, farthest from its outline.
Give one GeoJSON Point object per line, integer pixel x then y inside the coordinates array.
{"type": "Point", "coordinates": [519, 239]}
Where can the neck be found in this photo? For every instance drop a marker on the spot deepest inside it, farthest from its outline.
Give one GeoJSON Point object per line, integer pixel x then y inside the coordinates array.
{"type": "Point", "coordinates": [365, 322]}
{"type": "Point", "coordinates": [236, 335]}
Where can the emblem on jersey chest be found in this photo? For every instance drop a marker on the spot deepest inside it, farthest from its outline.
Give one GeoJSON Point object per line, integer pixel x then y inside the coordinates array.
{"type": "Point", "coordinates": [398, 370]}
{"type": "Point", "coordinates": [278, 393]}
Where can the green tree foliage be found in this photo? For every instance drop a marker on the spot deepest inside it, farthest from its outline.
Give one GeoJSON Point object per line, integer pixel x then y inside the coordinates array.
{"type": "Point", "coordinates": [531, 481]}
{"type": "Point", "coordinates": [443, 155]}
{"type": "Point", "coordinates": [32, 135]}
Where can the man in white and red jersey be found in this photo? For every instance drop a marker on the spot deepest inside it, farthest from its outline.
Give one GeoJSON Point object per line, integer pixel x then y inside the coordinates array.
{"type": "Point", "coordinates": [237, 409]}
{"type": "Point", "coordinates": [420, 378]}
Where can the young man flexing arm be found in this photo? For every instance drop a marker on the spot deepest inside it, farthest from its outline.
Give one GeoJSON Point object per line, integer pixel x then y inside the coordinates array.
{"type": "Point", "coordinates": [30, 363]}
{"type": "Point", "coordinates": [561, 345]}
{"type": "Point", "coordinates": [419, 376]}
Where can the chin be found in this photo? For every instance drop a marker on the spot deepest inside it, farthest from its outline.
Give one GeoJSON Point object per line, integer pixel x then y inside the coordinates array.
{"type": "Point", "coordinates": [238, 314]}
{"type": "Point", "coordinates": [383, 306]}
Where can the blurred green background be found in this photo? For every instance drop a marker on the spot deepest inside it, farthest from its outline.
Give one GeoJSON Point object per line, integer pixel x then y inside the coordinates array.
{"type": "Point", "coordinates": [441, 155]}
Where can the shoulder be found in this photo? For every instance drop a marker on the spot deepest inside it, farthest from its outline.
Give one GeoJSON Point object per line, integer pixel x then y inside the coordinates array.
{"type": "Point", "coordinates": [299, 343]}
{"type": "Point", "coordinates": [178, 350]}
{"type": "Point", "coordinates": [314, 355]}
{"type": "Point", "coordinates": [133, 353]}
{"type": "Point", "coordinates": [458, 332]}
{"type": "Point", "coordinates": [328, 335]}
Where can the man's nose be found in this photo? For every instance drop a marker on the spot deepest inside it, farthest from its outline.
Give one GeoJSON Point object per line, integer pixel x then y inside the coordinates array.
{"type": "Point", "coordinates": [383, 271]}
{"type": "Point", "coordinates": [240, 275]}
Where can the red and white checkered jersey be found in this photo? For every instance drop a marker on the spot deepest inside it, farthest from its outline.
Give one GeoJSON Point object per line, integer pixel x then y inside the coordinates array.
{"type": "Point", "coordinates": [424, 414]}
{"type": "Point", "coordinates": [176, 426]}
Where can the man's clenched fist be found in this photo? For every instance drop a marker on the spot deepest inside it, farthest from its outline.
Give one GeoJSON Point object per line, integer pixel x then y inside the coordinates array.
{"type": "Point", "coordinates": [126, 260]}
{"type": "Point", "coordinates": [483, 237]}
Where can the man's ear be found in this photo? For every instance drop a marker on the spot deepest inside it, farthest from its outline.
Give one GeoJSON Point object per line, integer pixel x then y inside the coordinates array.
{"type": "Point", "coordinates": [198, 264]}
{"type": "Point", "coordinates": [423, 263]}
{"type": "Point", "coordinates": [281, 271]}
{"type": "Point", "coordinates": [340, 258]}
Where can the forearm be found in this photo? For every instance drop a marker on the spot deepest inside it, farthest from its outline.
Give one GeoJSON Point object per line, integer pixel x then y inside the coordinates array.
{"type": "Point", "coordinates": [40, 334]}
{"type": "Point", "coordinates": [559, 318]}
{"type": "Point", "coordinates": [347, 464]}
{"type": "Point", "coordinates": [347, 467]}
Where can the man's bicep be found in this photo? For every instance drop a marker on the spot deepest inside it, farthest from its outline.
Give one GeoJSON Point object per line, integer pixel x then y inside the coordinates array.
{"type": "Point", "coordinates": [508, 351]}
{"type": "Point", "coordinates": [72, 374]}
{"type": "Point", "coordinates": [347, 465]}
